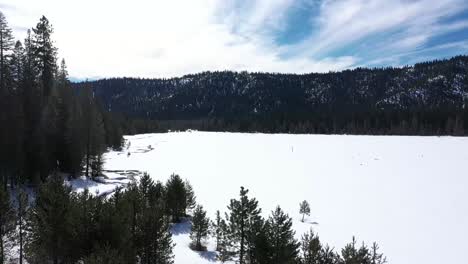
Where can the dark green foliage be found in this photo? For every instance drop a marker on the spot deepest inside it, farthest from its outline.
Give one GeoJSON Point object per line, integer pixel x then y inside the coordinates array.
{"type": "Point", "coordinates": [48, 121]}
{"type": "Point", "coordinates": [224, 243]}
{"type": "Point", "coordinates": [6, 44]}
{"type": "Point", "coordinates": [284, 246]}
{"type": "Point", "coordinates": [304, 209]}
{"type": "Point", "coordinates": [313, 252]}
{"type": "Point", "coordinates": [243, 213]}
{"type": "Point", "coordinates": [105, 255]}
{"type": "Point", "coordinates": [130, 225]}
{"type": "Point", "coordinates": [353, 255]}
{"type": "Point", "coordinates": [328, 256]}
{"type": "Point", "coordinates": [260, 247]}
{"type": "Point", "coordinates": [216, 229]}
{"type": "Point", "coordinates": [189, 197]}
{"type": "Point", "coordinates": [50, 223]}
{"type": "Point", "coordinates": [311, 249]}
{"type": "Point", "coordinates": [7, 223]}
{"type": "Point", "coordinates": [200, 228]}
{"type": "Point", "coordinates": [153, 236]}
{"type": "Point", "coordinates": [176, 197]}
{"type": "Point", "coordinates": [22, 210]}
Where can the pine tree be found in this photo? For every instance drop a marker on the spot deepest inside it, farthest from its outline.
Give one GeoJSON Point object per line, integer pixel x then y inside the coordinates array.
{"type": "Point", "coordinates": [328, 256]}
{"type": "Point", "coordinates": [21, 223]}
{"type": "Point", "coordinates": [376, 257]}
{"type": "Point", "coordinates": [50, 223]}
{"type": "Point", "coordinates": [32, 112]}
{"type": "Point", "coordinates": [259, 242]}
{"type": "Point", "coordinates": [176, 200]}
{"type": "Point", "coordinates": [46, 54]}
{"type": "Point", "coordinates": [304, 209]}
{"type": "Point", "coordinates": [200, 228]}
{"type": "Point", "coordinates": [16, 66]}
{"type": "Point", "coordinates": [311, 248]}
{"type": "Point", "coordinates": [284, 245]}
{"type": "Point", "coordinates": [13, 109]}
{"type": "Point", "coordinates": [94, 133]}
{"type": "Point", "coordinates": [216, 227]}
{"type": "Point", "coordinates": [242, 213]}
{"type": "Point", "coordinates": [352, 255]}
{"type": "Point", "coordinates": [105, 255]}
{"type": "Point", "coordinates": [189, 196]}
{"type": "Point", "coordinates": [224, 245]}
{"type": "Point", "coordinates": [6, 44]}
{"type": "Point", "coordinates": [155, 240]}
{"type": "Point", "coordinates": [6, 223]}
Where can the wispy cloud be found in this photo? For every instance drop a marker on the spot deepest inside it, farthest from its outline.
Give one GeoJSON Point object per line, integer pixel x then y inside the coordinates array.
{"type": "Point", "coordinates": [171, 38]}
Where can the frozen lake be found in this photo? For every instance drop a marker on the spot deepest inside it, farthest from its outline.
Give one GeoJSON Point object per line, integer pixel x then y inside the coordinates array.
{"type": "Point", "coordinates": [409, 194]}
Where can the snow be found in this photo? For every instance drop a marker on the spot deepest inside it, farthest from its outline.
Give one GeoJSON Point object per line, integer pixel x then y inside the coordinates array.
{"type": "Point", "coordinates": [409, 194]}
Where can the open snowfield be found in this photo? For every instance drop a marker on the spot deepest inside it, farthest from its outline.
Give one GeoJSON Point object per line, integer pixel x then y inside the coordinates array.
{"type": "Point", "coordinates": [409, 194]}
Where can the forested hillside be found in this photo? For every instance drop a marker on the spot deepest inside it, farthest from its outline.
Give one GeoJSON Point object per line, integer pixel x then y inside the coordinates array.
{"type": "Point", "coordinates": [426, 99]}
{"type": "Point", "coordinates": [45, 125]}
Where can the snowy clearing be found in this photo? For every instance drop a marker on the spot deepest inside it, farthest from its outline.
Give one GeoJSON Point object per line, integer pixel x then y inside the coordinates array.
{"type": "Point", "coordinates": [409, 194]}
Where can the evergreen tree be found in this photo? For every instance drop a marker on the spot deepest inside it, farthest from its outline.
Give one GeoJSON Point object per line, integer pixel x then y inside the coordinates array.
{"type": "Point", "coordinates": [156, 239]}
{"type": "Point", "coordinates": [32, 109]}
{"type": "Point", "coordinates": [105, 255]}
{"type": "Point", "coordinates": [189, 196]}
{"type": "Point", "coordinates": [6, 44]}
{"type": "Point", "coordinates": [284, 246]}
{"type": "Point", "coordinates": [176, 200]}
{"type": "Point", "coordinates": [352, 255]}
{"type": "Point", "coordinates": [94, 134]}
{"type": "Point", "coordinates": [242, 213]}
{"type": "Point", "coordinates": [6, 223]}
{"type": "Point", "coordinates": [304, 209]}
{"type": "Point", "coordinates": [216, 227]}
{"type": "Point", "coordinates": [311, 249]}
{"type": "Point", "coordinates": [259, 242]}
{"type": "Point", "coordinates": [16, 66]}
{"type": "Point", "coordinates": [328, 256]}
{"type": "Point", "coordinates": [376, 257]}
{"type": "Point", "coordinates": [45, 53]}
{"type": "Point", "coordinates": [200, 228]}
{"type": "Point", "coordinates": [21, 223]}
{"type": "Point", "coordinates": [225, 244]}
{"type": "Point", "coordinates": [50, 224]}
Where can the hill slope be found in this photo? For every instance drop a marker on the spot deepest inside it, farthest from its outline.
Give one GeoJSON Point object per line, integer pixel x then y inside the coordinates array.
{"type": "Point", "coordinates": [427, 98]}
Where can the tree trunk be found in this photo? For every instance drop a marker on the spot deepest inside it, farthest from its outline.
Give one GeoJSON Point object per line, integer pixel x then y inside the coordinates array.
{"type": "Point", "coordinates": [1, 248]}
{"type": "Point", "coordinates": [2, 70]}
{"type": "Point", "coordinates": [241, 254]}
{"type": "Point", "coordinates": [21, 242]}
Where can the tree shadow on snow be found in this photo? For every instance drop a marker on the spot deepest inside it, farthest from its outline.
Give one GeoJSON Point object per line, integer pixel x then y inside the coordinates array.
{"type": "Point", "coordinates": [211, 256]}
{"type": "Point", "coordinates": [181, 228]}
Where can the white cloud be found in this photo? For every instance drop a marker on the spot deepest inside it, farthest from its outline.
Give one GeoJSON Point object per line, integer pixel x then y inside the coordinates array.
{"type": "Point", "coordinates": [346, 22]}
{"type": "Point", "coordinates": [165, 38]}
{"type": "Point", "coordinates": [151, 38]}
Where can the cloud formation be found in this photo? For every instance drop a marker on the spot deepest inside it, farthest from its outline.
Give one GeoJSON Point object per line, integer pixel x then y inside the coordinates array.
{"type": "Point", "coordinates": [171, 38]}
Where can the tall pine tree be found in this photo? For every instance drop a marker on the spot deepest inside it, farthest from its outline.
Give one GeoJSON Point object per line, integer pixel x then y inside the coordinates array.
{"type": "Point", "coordinates": [242, 213]}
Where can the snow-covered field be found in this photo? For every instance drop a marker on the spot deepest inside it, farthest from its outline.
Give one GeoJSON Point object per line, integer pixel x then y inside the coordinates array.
{"type": "Point", "coordinates": [409, 194]}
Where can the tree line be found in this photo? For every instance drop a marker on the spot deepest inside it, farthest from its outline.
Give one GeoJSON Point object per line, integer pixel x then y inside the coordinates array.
{"type": "Point", "coordinates": [424, 99]}
{"type": "Point", "coordinates": [45, 124]}
{"type": "Point", "coordinates": [133, 225]}
{"type": "Point", "coordinates": [245, 236]}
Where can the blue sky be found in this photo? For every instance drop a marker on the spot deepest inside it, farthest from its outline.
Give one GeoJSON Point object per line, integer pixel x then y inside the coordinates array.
{"type": "Point", "coordinates": [171, 38]}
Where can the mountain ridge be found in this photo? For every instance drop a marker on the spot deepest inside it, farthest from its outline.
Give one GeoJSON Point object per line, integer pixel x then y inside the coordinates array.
{"type": "Point", "coordinates": [378, 99]}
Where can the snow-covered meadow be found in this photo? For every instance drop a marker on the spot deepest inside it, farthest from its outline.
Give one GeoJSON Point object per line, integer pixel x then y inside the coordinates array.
{"type": "Point", "coordinates": [409, 194]}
